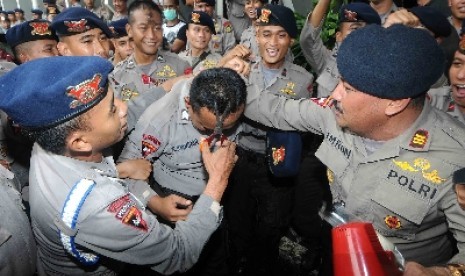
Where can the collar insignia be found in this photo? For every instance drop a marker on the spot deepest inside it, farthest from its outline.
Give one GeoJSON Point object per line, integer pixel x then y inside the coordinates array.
{"type": "Point", "coordinates": [419, 139]}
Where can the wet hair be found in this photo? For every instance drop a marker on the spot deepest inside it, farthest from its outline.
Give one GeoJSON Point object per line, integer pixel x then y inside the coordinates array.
{"type": "Point", "coordinates": [141, 5]}
{"type": "Point", "coordinates": [54, 139]}
{"type": "Point", "coordinates": [221, 90]}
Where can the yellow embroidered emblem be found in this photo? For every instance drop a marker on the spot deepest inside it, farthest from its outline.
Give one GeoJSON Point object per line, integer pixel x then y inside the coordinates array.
{"type": "Point", "coordinates": [330, 175]}
{"type": "Point", "coordinates": [195, 17]}
{"type": "Point", "coordinates": [289, 89]}
{"type": "Point", "coordinates": [265, 16]}
{"type": "Point", "coordinates": [127, 94]}
{"type": "Point", "coordinates": [421, 165]}
{"type": "Point", "coordinates": [392, 222]}
{"type": "Point", "coordinates": [208, 63]}
{"type": "Point", "coordinates": [166, 72]}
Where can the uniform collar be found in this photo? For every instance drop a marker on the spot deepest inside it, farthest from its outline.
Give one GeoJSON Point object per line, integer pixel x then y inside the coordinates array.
{"type": "Point", "coordinates": [183, 114]}
{"type": "Point", "coordinates": [419, 136]}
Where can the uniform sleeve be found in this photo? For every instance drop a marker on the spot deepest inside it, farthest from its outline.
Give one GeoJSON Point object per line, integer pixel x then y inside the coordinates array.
{"type": "Point", "coordinates": [456, 220]}
{"type": "Point", "coordinates": [122, 231]}
{"type": "Point", "coordinates": [315, 52]}
{"type": "Point", "coordinates": [229, 40]}
{"type": "Point", "coordinates": [288, 114]}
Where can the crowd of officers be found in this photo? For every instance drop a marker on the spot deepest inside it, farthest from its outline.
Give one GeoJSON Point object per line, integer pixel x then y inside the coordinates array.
{"type": "Point", "coordinates": [139, 139]}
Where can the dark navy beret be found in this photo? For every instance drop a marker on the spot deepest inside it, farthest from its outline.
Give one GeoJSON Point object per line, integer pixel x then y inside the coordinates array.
{"type": "Point", "coordinates": [209, 2]}
{"type": "Point", "coordinates": [118, 27]}
{"type": "Point", "coordinates": [398, 62]}
{"type": "Point", "coordinates": [78, 20]}
{"type": "Point", "coordinates": [37, 11]}
{"type": "Point", "coordinates": [46, 100]}
{"type": "Point", "coordinates": [202, 18]}
{"type": "Point", "coordinates": [10, 12]}
{"type": "Point", "coordinates": [433, 20]}
{"type": "Point", "coordinates": [459, 176]}
{"type": "Point", "coordinates": [358, 12]}
{"type": "Point", "coordinates": [278, 15]}
{"type": "Point", "coordinates": [32, 30]}
{"type": "Point", "coordinates": [19, 10]}
{"type": "Point", "coordinates": [49, 1]}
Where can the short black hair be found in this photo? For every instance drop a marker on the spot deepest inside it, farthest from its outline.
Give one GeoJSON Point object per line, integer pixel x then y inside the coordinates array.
{"type": "Point", "coordinates": [220, 90]}
{"type": "Point", "coordinates": [141, 5]}
{"type": "Point", "coordinates": [54, 139]}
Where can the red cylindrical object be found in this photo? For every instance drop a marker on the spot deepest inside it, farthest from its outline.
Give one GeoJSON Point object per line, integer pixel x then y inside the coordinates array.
{"type": "Point", "coordinates": [358, 252]}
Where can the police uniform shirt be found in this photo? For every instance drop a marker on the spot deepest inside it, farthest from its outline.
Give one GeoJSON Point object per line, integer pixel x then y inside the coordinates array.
{"type": "Point", "coordinates": [165, 135]}
{"type": "Point", "coordinates": [210, 61]}
{"type": "Point", "coordinates": [292, 81]}
{"type": "Point", "coordinates": [118, 16]}
{"type": "Point", "coordinates": [111, 222]}
{"type": "Point", "coordinates": [249, 40]}
{"type": "Point", "coordinates": [102, 13]}
{"type": "Point", "coordinates": [224, 39]}
{"type": "Point", "coordinates": [322, 60]}
{"type": "Point", "coordinates": [18, 254]}
{"type": "Point", "coordinates": [441, 99]}
{"type": "Point", "coordinates": [384, 16]}
{"type": "Point", "coordinates": [131, 80]}
{"type": "Point", "coordinates": [237, 16]}
{"type": "Point", "coordinates": [406, 185]}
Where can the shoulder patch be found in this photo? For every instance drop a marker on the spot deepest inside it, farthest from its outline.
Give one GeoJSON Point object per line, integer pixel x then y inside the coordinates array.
{"type": "Point", "coordinates": [150, 144]}
{"type": "Point", "coordinates": [227, 27]}
{"type": "Point", "coordinates": [125, 210]}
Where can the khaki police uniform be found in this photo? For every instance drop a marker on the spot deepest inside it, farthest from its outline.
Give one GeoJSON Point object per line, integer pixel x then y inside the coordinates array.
{"type": "Point", "coordinates": [112, 222]}
{"type": "Point", "coordinates": [292, 81]}
{"type": "Point", "coordinates": [249, 40]}
{"type": "Point", "coordinates": [224, 39]}
{"type": "Point", "coordinates": [18, 254]}
{"type": "Point", "coordinates": [103, 13]}
{"type": "Point", "coordinates": [320, 58]}
{"type": "Point", "coordinates": [165, 135]}
{"type": "Point", "coordinates": [404, 188]}
{"type": "Point", "coordinates": [237, 16]}
{"type": "Point", "coordinates": [441, 99]}
{"type": "Point", "coordinates": [208, 62]}
{"type": "Point", "coordinates": [130, 80]}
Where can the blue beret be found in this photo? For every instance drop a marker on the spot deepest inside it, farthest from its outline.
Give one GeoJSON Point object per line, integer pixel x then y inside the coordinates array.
{"type": "Point", "coordinates": [32, 30]}
{"type": "Point", "coordinates": [398, 62]}
{"type": "Point", "coordinates": [433, 20]}
{"type": "Point", "coordinates": [10, 12]}
{"type": "Point", "coordinates": [358, 12]}
{"type": "Point", "coordinates": [78, 20]}
{"type": "Point", "coordinates": [118, 27]}
{"type": "Point", "coordinates": [202, 18]}
{"type": "Point", "coordinates": [46, 100]}
{"type": "Point", "coordinates": [49, 1]}
{"type": "Point", "coordinates": [37, 11]}
{"type": "Point", "coordinates": [208, 2]}
{"type": "Point", "coordinates": [18, 10]}
{"type": "Point", "coordinates": [279, 16]}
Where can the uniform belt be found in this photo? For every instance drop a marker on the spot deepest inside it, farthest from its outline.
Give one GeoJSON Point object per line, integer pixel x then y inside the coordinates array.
{"type": "Point", "coordinates": [251, 156]}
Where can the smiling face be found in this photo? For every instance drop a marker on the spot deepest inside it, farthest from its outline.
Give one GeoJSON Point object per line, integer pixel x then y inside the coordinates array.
{"type": "Point", "coordinates": [250, 8]}
{"type": "Point", "coordinates": [457, 8]}
{"type": "Point", "coordinates": [457, 80]}
{"type": "Point", "coordinates": [145, 28]}
{"type": "Point", "coordinates": [273, 43]}
{"type": "Point", "coordinates": [198, 36]}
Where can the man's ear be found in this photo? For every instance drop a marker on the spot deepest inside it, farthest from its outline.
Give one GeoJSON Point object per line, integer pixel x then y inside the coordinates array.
{"type": "Point", "coordinates": [338, 36]}
{"type": "Point", "coordinates": [77, 143]}
{"type": "Point", "coordinates": [62, 48]}
{"type": "Point", "coordinates": [129, 30]}
{"type": "Point", "coordinates": [396, 106]}
{"type": "Point", "coordinates": [187, 101]}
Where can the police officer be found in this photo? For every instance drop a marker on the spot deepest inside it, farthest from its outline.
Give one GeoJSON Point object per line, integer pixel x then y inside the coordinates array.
{"type": "Point", "coordinates": [149, 66]}
{"type": "Point", "coordinates": [122, 44]}
{"type": "Point", "coordinates": [101, 11]}
{"type": "Point", "coordinates": [81, 33]}
{"type": "Point", "coordinates": [224, 39]}
{"type": "Point", "coordinates": [238, 17]}
{"type": "Point", "coordinates": [36, 13]}
{"type": "Point", "coordinates": [85, 219]}
{"type": "Point", "coordinates": [121, 9]}
{"type": "Point", "coordinates": [199, 32]}
{"type": "Point", "coordinates": [19, 15]}
{"type": "Point", "coordinates": [32, 39]}
{"type": "Point", "coordinates": [248, 37]}
{"type": "Point", "coordinates": [390, 156]}
{"type": "Point", "coordinates": [351, 17]}
{"type": "Point", "coordinates": [259, 205]}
